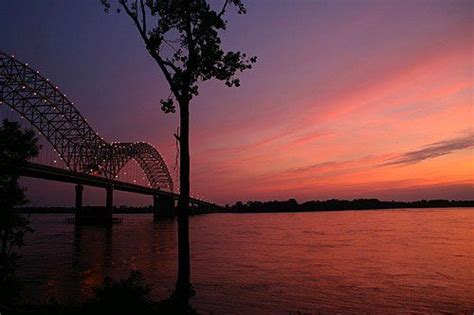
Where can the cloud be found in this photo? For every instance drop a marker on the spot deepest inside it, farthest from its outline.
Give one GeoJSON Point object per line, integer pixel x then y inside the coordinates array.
{"type": "Point", "coordinates": [309, 137]}
{"type": "Point", "coordinates": [324, 171]}
{"type": "Point", "coordinates": [434, 150]}
{"type": "Point", "coordinates": [462, 190]}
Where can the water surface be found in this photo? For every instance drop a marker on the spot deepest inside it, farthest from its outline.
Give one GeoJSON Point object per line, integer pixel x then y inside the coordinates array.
{"type": "Point", "coordinates": [353, 261]}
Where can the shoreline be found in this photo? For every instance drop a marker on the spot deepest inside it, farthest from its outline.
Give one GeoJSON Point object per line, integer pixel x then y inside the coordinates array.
{"type": "Point", "coordinates": [41, 210]}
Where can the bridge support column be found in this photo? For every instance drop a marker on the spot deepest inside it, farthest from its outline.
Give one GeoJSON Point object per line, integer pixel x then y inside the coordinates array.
{"type": "Point", "coordinates": [79, 192]}
{"type": "Point", "coordinates": [163, 207]}
{"type": "Point", "coordinates": [109, 202]}
{"type": "Point", "coordinates": [94, 215]}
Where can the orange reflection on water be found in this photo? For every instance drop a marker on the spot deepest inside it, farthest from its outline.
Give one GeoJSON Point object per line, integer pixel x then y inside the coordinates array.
{"type": "Point", "coordinates": [351, 261]}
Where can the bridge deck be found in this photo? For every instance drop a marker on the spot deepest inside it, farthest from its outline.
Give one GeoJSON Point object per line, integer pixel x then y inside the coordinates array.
{"type": "Point", "coordinates": [39, 171]}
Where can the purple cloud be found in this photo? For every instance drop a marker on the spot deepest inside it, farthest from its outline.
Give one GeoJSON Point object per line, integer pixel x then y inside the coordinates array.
{"type": "Point", "coordinates": [434, 150]}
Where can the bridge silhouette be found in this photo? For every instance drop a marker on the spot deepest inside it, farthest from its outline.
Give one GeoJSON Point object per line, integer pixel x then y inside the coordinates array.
{"type": "Point", "coordinates": [88, 159]}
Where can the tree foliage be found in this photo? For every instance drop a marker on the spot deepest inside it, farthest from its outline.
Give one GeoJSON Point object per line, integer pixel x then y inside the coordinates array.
{"type": "Point", "coordinates": [183, 37]}
{"type": "Point", "coordinates": [16, 146]}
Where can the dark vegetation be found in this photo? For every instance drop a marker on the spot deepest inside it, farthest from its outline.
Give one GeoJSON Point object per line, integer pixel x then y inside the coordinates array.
{"type": "Point", "coordinates": [291, 205]}
{"type": "Point", "coordinates": [130, 295]}
{"type": "Point", "coordinates": [16, 146]}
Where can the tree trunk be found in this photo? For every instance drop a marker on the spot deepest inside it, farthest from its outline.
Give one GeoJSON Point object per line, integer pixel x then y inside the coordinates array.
{"type": "Point", "coordinates": [3, 256]}
{"type": "Point", "coordinates": [183, 284]}
{"type": "Point", "coordinates": [3, 234]}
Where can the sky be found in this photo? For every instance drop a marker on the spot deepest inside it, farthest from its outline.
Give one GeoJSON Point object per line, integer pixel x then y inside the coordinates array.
{"type": "Point", "coordinates": [348, 99]}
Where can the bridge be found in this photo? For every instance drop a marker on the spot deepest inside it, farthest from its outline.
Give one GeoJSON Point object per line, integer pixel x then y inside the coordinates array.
{"type": "Point", "coordinates": [87, 158]}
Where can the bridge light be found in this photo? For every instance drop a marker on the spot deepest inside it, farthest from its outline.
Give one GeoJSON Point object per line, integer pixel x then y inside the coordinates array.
{"type": "Point", "coordinates": [55, 161]}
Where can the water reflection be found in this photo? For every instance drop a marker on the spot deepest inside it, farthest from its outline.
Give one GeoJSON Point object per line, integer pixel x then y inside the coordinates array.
{"type": "Point", "coordinates": [92, 258]}
{"type": "Point", "coordinates": [113, 251]}
{"type": "Point", "coordinates": [365, 261]}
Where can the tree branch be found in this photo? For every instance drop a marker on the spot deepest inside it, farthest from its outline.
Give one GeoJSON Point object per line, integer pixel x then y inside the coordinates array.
{"type": "Point", "coordinates": [171, 65]}
{"type": "Point", "coordinates": [162, 64]}
{"type": "Point", "coordinates": [167, 42]}
{"type": "Point", "coordinates": [190, 67]}
{"type": "Point", "coordinates": [154, 54]}
{"type": "Point", "coordinates": [142, 5]}
{"type": "Point", "coordinates": [223, 8]}
{"type": "Point", "coordinates": [135, 20]}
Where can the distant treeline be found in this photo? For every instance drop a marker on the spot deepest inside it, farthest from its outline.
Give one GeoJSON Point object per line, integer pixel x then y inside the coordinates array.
{"type": "Point", "coordinates": [292, 205]}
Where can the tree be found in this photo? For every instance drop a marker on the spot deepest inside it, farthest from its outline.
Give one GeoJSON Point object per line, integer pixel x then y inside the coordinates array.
{"type": "Point", "coordinates": [16, 146]}
{"type": "Point", "coordinates": [182, 37]}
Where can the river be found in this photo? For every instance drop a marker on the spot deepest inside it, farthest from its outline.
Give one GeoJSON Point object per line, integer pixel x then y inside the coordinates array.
{"type": "Point", "coordinates": [418, 260]}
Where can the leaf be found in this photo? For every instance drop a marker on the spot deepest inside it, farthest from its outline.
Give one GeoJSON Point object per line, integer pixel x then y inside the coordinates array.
{"type": "Point", "coordinates": [167, 106]}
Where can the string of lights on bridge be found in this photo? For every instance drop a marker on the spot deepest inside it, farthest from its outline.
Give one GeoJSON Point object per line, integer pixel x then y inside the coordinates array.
{"type": "Point", "coordinates": [126, 173]}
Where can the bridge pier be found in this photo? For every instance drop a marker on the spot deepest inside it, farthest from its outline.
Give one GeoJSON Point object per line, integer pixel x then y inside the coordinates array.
{"type": "Point", "coordinates": [163, 207]}
{"type": "Point", "coordinates": [94, 215]}
{"type": "Point", "coordinates": [79, 193]}
{"type": "Point", "coordinates": [109, 201]}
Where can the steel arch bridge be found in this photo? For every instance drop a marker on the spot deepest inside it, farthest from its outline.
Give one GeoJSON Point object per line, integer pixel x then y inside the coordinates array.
{"type": "Point", "coordinates": [83, 151]}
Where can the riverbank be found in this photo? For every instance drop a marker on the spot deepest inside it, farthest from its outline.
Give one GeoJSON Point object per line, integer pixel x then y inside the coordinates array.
{"type": "Point", "coordinates": [290, 205]}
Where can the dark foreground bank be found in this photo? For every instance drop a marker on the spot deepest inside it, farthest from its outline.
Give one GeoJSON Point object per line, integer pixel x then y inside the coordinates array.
{"type": "Point", "coordinates": [130, 295]}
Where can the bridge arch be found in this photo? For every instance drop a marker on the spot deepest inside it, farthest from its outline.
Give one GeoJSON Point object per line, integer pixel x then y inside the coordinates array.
{"type": "Point", "coordinates": [41, 103]}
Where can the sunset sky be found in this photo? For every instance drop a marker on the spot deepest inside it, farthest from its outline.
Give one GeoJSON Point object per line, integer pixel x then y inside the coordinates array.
{"type": "Point", "coordinates": [348, 99]}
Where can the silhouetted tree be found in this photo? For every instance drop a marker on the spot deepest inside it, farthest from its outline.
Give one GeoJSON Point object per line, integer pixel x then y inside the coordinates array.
{"type": "Point", "coordinates": [182, 36]}
{"type": "Point", "coordinates": [16, 146]}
